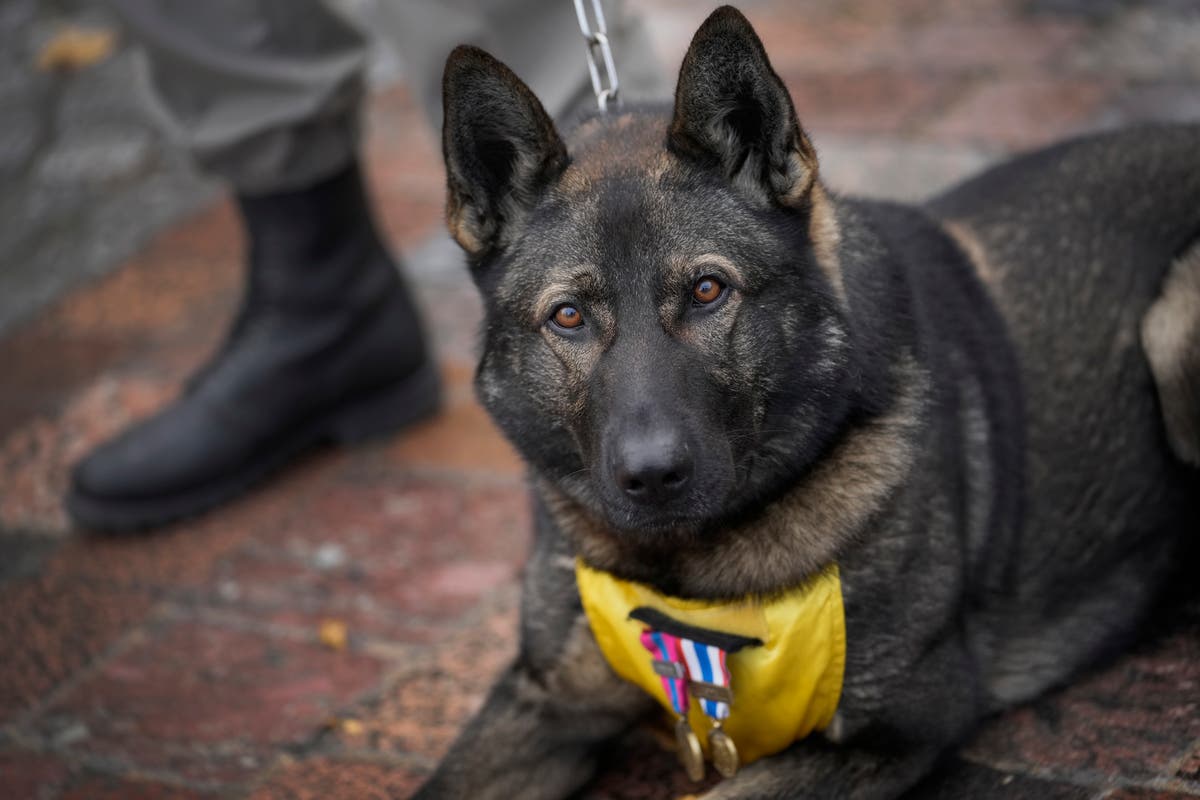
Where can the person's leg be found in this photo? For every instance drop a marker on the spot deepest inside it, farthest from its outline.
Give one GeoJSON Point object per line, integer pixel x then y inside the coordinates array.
{"type": "Point", "coordinates": [327, 345]}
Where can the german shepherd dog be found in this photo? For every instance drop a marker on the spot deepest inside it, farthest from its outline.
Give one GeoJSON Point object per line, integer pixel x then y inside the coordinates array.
{"type": "Point", "coordinates": [984, 410]}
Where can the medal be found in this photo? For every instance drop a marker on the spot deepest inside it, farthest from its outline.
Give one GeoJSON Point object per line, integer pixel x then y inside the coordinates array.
{"type": "Point", "coordinates": [710, 685]}
{"type": "Point", "coordinates": [687, 747]}
{"type": "Point", "coordinates": [668, 665]}
{"type": "Point", "coordinates": [724, 752]}
{"type": "Point", "coordinates": [675, 661]}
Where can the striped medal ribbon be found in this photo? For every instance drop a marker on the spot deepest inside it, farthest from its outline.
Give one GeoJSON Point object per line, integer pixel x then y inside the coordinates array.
{"type": "Point", "coordinates": [687, 667]}
{"type": "Point", "coordinates": [668, 664]}
{"type": "Point", "coordinates": [710, 683]}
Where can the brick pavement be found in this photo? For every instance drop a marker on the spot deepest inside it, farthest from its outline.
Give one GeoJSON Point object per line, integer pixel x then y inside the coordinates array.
{"type": "Point", "coordinates": [190, 663]}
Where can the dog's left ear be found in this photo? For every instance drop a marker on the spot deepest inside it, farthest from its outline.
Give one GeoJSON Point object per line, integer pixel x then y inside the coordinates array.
{"type": "Point", "coordinates": [732, 112]}
{"type": "Point", "coordinates": [500, 146]}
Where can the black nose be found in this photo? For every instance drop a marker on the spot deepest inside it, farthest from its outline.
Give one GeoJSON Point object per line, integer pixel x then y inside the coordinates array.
{"type": "Point", "coordinates": [652, 468]}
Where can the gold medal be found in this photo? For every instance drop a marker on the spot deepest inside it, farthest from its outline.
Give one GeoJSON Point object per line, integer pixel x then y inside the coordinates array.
{"type": "Point", "coordinates": [687, 746]}
{"type": "Point", "coordinates": [724, 752]}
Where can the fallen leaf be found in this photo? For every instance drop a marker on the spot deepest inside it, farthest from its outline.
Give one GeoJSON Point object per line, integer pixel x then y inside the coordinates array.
{"type": "Point", "coordinates": [74, 48]}
{"type": "Point", "coordinates": [333, 634]}
{"type": "Point", "coordinates": [352, 727]}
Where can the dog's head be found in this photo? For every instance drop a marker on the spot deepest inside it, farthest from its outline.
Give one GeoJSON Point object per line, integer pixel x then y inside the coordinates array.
{"type": "Point", "coordinates": [664, 337]}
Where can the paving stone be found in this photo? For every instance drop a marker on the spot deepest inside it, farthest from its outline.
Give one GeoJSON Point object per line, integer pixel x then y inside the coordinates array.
{"type": "Point", "coordinates": [959, 779]}
{"type": "Point", "coordinates": [89, 233]}
{"type": "Point", "coordinates": [1189, 767]}
{"type": "Point", "coordinates": [31, 776]}
{"type": "Point", "coordinates": [330, 779]}
{"type": "Point", "coordinates": [22, 556]}
{"type": "Point", "coordinates": [1173, 102]}
{"type": "Point", "coordinates": [896, 168]}
{"type": "Point", "coordinates": [1149, 794]}
{"type": "Point", "coordinates": [109, 787]}
{"type": "Point", "coordinates": [991, 46]}
{"type": "Point", "coordinates": [1134, 719]}
{"type": "Point", "coordinates": [1021, 112]}
{"type": "Point", "coordinates": [1147, 44]}
{"type": "Point", "coordinates": [414, 556]}
{"type": "Point", "coordinates": [462, 438]}
{"type": "Point", "coordinates": [422, 713]}
{"type": "Point", "coordinates": [837, 45]}
{"type": "Point", "coordinates": [416, 541]}
{"type": "Point", "coordinates": [208, 703]}
{"type": "Point", "coordinates": [176, 561]}
{"type": "Point", "coordinates": [877, 101]}
{"type": "Point", "coordinates": [55, 628]}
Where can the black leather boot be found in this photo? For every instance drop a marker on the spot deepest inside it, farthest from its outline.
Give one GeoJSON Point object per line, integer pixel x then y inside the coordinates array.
{"type": "Point", "coordinates": [327, 347]}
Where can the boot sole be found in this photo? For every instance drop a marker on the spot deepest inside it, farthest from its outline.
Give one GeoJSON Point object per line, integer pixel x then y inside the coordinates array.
{"type": "Point", "coordinates": [382, 412]}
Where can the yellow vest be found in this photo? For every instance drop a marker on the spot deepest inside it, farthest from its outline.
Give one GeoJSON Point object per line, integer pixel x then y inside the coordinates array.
{"type": "Point", "coordinates": [782, 691]}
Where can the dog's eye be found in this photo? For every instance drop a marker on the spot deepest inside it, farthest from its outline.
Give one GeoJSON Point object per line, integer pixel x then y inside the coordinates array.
{"type": "Point", "coordinates": [707, 290]}
{"type": "Point", "coordinates": [567, 316]}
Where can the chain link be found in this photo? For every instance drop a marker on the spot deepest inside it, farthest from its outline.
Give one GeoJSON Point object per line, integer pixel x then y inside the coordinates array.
{"type": "Point", "coordinates": [599, 54]}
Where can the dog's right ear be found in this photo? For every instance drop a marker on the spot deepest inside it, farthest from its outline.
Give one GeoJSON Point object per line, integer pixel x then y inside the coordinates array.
{"type": "Point", "coordinates": [500, 146]}
{"type": "Point", "coordinates": [733, 113]}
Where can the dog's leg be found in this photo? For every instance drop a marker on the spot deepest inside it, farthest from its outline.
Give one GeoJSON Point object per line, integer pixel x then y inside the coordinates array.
{"type": "Point", "coordinates": [926, 707]}
{"type": "Point", "coordinates": [536, 735]}
{"type": "Point", "coordinates": [1171, 337]}
{"type": "Point", "coordinates": [816, 769]}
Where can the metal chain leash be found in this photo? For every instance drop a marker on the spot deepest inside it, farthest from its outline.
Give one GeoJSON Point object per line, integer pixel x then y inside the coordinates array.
{"type": "Point", "coordinates": [599, 54]}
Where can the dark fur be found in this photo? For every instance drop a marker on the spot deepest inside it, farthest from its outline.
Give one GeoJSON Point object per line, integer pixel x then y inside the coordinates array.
{"type": "Point", "coordinates": [953, 402]}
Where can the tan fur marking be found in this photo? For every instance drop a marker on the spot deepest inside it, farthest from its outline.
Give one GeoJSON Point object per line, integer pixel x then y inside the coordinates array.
{"type": "Point", "coordinates": [826, 237]}
{"type": "Point", "coordinates": [660, 166]}
{"type": "Point", "coordinates": [575, 182]}
{"type": "Point", "coordinates": [1171, 339]}
{"type": "Point", "coordinates": [683, 269]}
{"type": "Point", "coordinates": [567, 282]}
{"type": "Point", "coordinates": [460, 230]}
{"type": "Point", "coordinates": [973, 248]}
{"type": "Point", "coordinates": [794, 536]}
{"type": "Point", "coordinates": [802, 171]}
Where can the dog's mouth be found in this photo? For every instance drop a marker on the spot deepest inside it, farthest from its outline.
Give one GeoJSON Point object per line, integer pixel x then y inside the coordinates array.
{"type": "Point", "coordinates": [637, 524]}
{"type": "Point", "coordinates": [682, 519]}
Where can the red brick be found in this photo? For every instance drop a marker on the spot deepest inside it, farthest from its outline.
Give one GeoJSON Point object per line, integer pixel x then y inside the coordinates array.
{"type": "Point", "coordinates": [423, 713]}
{"type": "Point", "coordinates": [41, 372]}
{"type": "Point", "coordinates": [182, 277]}
{"type": "Point", "coordinates": [834, 44]}
{"type": "Point", "coordinates": [1189, 767]}
{"type": "Point", "coordinates": [462, 438]}
{"type": "Point", "coordinates": [31, 776]}
{"type": "Point", "coordinates": [407, 176]}
{"type": "Point", "coordinates": [52, 629]}
{"type": "Point", "coordinates": [1147, 794]}
{"type": "Point", "coordinates": [392, 556]}
{"type": "Point", "coordinates": [989, 46]}
{"type": "Point", "coordinates": [1134, 719]}
{"type": "Point", "coordinates": [209, 703]}
{"type": "Point", "coordinates": [111, 787]}
{"type": "Point", "coordinates": [957, 779]}
{"type": "Point", "coordinates": [1021, 112]}
{"type": "Point", "coordinates": [180, 559]}
{"type": "Point", "coordinates": [875, 101]}
{"type": "Point", "coordinates": [452, 322]}
{"type": "Point", "coordinates": [329, 779]}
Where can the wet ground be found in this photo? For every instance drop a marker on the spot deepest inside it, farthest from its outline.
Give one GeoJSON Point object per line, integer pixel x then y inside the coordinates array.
{"type": "Point", "coordinates": [203, 661]}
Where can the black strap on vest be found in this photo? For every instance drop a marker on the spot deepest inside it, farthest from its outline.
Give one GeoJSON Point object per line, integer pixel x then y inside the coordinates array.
{"type": "Point", "coordinates": [729, 642]}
